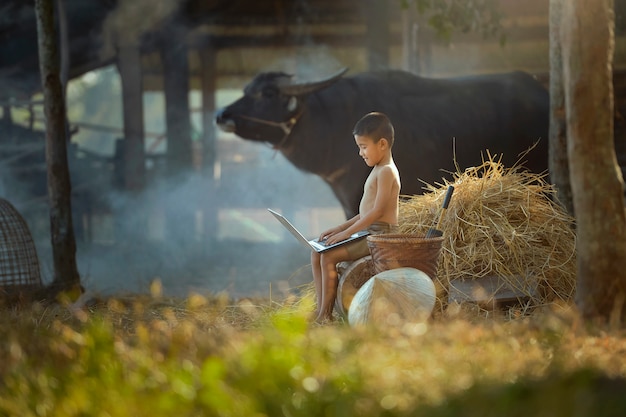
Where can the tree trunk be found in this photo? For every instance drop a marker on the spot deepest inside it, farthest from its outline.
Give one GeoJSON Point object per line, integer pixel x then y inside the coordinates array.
{"type": "Point", "coordinates": [559, 167]}
{"type": "Point", "coordinates": [59, 188]}
{"type": "Point", "coordinates": [597, 186]}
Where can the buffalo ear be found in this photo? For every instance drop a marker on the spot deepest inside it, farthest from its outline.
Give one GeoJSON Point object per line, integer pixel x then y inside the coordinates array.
{"type": "Point", "coordinates": [292, 104]}
{"type": "Point", "coordinates": [299, 89]}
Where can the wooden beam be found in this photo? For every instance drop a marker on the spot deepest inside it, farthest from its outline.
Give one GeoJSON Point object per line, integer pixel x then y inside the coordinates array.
{"type": "Point", "coordinates": [356, 39]}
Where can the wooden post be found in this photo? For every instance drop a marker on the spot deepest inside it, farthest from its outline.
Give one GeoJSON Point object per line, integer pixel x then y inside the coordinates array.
{"type": "Point", "coordinates": [209, 142]}
{"type": "Point", "coordinates": [175, 63]}
{"type": "Point", "coordinates": [129, 67]}
{"type": "Point", "coordinates": [132, 147]}
{"type": "Point", "coordinates": [7, 118]}
{"type": "Point", "coordinates": [557, 139]}
{"type": "Point", "coordinates": [377, 34]}
{"type": "Point", "coordinates": [6, 124]}
{"type": "Point", "coordinates": [180, 212]}
{"type": "Point", "coordinates": [416, 43]}
{"type": "Point", "coordinates": [409, 40]}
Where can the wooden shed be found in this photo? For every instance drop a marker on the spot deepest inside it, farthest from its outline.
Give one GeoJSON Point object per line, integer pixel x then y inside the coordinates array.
{"type": "Point", "coordinates": [180, 48]}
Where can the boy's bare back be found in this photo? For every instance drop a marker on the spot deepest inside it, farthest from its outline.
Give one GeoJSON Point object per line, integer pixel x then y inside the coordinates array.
{"type": "Point", "coordinates": [381, 193]}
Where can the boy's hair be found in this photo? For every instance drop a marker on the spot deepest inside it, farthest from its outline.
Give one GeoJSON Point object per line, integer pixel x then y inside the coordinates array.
{"type": "Point", "coordinates": [375, 125]}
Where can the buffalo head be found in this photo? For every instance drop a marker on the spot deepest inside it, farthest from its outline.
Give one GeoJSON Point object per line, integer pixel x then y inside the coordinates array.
{"type": "Point", "coordinates": [270, 107]}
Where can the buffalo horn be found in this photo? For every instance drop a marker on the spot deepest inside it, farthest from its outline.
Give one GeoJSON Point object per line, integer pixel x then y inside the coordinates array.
{"type": "Point", "coordinates": [298, 89]}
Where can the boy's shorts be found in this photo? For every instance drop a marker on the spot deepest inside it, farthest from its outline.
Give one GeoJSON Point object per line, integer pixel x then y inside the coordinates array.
{"type": "Point", "coordinates": [359, 248]}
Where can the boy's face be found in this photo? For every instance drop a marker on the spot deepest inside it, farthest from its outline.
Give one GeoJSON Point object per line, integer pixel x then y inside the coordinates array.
{"type": "Point", "coordinates": [371, 152]}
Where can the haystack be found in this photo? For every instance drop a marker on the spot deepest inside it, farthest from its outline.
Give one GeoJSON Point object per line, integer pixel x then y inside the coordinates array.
{"type": "Point", "coordinates": [501, 223]}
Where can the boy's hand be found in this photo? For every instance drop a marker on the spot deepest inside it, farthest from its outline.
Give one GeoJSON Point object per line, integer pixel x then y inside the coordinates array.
{"type": "Point", "coordinates": [337, 237]}
{"type": "Point", "coordinates": [328, 233]}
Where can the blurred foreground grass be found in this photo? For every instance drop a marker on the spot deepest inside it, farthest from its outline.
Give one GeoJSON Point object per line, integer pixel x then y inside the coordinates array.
{"type": "Point", "coordinates": [211, 356]}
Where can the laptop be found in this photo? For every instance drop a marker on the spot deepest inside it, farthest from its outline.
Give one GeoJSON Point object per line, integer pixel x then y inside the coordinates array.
{"type": "Point", "coordinates": [314, 243]}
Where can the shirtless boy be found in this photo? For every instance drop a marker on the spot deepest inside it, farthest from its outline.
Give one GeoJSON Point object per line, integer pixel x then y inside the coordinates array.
{"type": "Point", "coordinates": [378, 210]}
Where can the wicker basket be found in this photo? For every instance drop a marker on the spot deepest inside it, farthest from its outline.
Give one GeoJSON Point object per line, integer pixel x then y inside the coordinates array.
{"type": "Point", "coordinates": [19, 265]}
{"type": "Point", "coordinates": [390, 251]}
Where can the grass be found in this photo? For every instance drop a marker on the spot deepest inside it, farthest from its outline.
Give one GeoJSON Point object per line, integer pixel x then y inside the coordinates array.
{"type": "Point", "coordinates": [147, 355]}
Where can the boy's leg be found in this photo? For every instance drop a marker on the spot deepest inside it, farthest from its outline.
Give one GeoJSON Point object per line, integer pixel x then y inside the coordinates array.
{"type": "Point", "coordinates": [316, 268]}
{"type": "Point", "coordinates": [330, 279]}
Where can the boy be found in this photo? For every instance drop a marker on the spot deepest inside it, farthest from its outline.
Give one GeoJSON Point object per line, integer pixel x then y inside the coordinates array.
{"type": "Point", "coordinates": [378, 210]}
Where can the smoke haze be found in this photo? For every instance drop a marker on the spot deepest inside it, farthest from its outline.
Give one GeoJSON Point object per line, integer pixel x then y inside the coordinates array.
{"type": "Point", "coordinates": [125, 241]}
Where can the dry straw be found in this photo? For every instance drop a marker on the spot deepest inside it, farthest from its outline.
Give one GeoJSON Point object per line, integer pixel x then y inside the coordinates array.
{"type": "Point", "coordinates": [500, 222]}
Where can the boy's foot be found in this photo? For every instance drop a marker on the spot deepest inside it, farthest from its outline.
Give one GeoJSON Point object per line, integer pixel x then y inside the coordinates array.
{"type": "Point", "coordinates": [314, 315]}
{"type": "Point", "coordinates": [322, 319]}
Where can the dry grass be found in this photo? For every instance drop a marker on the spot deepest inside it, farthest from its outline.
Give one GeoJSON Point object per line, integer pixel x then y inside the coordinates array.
{"type": "Point", "coordinates": [501, 222]}
{"type": "Point", "coordinates": [158, 356]}
{"type": "Point", "coordinates": [153, 355]}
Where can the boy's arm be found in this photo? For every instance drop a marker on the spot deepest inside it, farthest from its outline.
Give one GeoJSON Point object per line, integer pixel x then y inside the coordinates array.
{"type": "Point", "coordinates": [338, 229]}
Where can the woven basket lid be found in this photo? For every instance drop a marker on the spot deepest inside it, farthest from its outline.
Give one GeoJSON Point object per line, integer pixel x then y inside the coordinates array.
{"type": "Point", "coordinates": [19, 265]}
{"type": "Point", "coordinates": [401, 294]}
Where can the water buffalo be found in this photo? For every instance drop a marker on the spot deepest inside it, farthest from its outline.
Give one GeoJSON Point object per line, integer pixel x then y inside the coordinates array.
{"type": "Point", "coordinates": [437, 121]}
